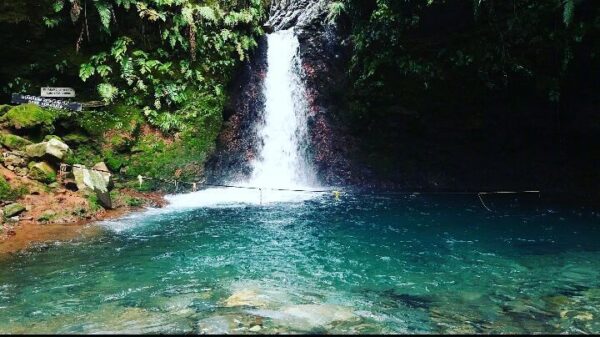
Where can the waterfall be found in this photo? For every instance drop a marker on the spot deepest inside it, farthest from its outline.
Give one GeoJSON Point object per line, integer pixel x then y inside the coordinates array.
{"type": "Point", "coordinates": [282, 162]}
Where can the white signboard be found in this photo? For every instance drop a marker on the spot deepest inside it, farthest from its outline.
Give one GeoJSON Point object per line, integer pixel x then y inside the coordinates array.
{"type": "Point", "coordinates": [57, 92]}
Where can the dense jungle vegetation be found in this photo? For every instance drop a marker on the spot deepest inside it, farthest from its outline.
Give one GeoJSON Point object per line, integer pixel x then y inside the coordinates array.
{"type": "Point", "coordinates": [493, 77]}
{"type": "Point", "coordinates": [507, 90]}
{"type": "Point", "coordinates": [157, 65]}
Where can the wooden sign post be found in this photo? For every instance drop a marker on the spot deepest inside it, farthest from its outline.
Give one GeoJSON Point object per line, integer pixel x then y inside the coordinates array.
{"type": "Point", "coordinates": [57, 92]}
{"type": "Point", "coordinates": [46, 102]}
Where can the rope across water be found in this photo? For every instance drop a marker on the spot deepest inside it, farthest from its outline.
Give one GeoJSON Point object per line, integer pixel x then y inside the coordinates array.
{"type": "Point", "coordinates": [195, 184]}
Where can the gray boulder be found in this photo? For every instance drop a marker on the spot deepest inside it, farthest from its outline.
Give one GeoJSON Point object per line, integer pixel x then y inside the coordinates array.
{"type": "Point", "coordinates": [54, 148]}
{"type": "Point", "coordinates": [94, 182]}
{"type": "Point", "coordinates": [105, 172]}
{"type": "Point", "coordinates": [15, 159]}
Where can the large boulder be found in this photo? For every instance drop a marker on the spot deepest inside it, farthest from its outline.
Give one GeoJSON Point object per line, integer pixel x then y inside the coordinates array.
{"type": "Point", "coordinates": [29, 116]}
{"type": "Point", "coordinates": [53, 148]}
{"type": "Point", "coordinates": [94, 182]}
{"type": "Point", "coordinates": [105, 172]}
{"type": "Point", "coordinates": [42, 172]}
{"type": "Point", "coordinates": [13, 210]}
{"type": "Point", "coordinates": [14, 142]}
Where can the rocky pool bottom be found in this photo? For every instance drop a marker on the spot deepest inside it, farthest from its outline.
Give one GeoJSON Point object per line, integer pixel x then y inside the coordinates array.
{"type": "Point", "coordinates": [410, 264]}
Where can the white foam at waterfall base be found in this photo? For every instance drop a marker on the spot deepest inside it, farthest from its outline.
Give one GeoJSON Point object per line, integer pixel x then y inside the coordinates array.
{"type": "Point", "coordinates": [282, 163]}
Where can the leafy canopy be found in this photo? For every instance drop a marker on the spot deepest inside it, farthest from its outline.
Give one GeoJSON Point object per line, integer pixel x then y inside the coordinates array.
{"type": "Point", "coordinates": [159, 54]}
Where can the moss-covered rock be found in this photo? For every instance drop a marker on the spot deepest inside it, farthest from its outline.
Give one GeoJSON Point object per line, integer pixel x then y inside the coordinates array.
{"type": "Point", "coordinates": [29, 116]}
{"type": "Point", "coordinates": [42, 172]}
{"type": "Point", "coordinates": [76, 138]}
{"type": "Point", "coordinates": [14, 142]}
{"type": "Point", "coordinates": [50, 137]}
{"type": "Point", "coordinates": [4, 108]}
{"type": "Point", "coordinates": [14, 159]}
{"type": "Point", "coordinates": [13, 210]}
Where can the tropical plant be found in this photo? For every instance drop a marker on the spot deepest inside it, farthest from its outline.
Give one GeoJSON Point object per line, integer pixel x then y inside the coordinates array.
{"type": "Point", "coordinates": [156, 53]}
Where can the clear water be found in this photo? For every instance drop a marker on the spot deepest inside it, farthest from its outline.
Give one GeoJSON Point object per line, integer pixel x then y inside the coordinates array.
{"type": "Point", "coordinates": [359, 265]}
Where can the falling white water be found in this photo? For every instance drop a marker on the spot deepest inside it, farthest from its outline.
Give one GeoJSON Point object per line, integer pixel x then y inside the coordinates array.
{"type": "Point", "coordinates": [282, 162]}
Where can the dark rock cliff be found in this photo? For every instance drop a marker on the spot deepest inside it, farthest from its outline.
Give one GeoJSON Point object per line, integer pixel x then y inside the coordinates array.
{"type": "Point", "coordinates": [237, 143]}
{"type": "Point", "coordinates": [323, 58]}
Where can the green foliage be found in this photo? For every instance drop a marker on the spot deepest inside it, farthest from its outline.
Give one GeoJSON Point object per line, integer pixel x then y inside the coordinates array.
{"type": "Point", "coordinates": [5, 189]}
{"type": "Point", "coordinates": [133, 202]}
{"type": "Point", "coordinates": [493, 47]}
{"type": "Point", "coordinates": [4, 108]}
{"type": "Point", "coordinates": [76, 139]}
{"type": "Point", "coordinates": [47, 216]}
{"type": "Point", "coordinates": [336, 9]}
{"type": "Point", "coordinates": [93, 203]}
{"type": "Point", "coordinates": [107, 91]}
{"type": "Point", "coordinates": [186, 46]}
{"type": "Point", "coordinates": [7, 193]}
{"type": "Point", "coordinates": [157, 158]}
{"type": "Point", "coordinates": [568, 11]}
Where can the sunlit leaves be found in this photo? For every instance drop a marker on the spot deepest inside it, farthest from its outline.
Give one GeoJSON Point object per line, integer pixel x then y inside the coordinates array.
{"type": "Point", "coordinates": [107, 91]}
{"type": "Point", "coordinates": [185, 46]}
{"type": "Point", "coordinates": [86, 71]}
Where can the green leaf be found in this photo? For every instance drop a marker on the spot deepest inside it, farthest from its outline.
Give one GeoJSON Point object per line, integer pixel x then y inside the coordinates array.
{"type": "Point", "coordinates": [86, 71]}
{"type": "Point", "coordinates": [107, 91]}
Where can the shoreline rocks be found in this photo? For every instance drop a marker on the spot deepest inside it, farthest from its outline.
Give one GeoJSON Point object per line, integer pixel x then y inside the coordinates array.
{"type": "Point", "coordinates": [53, 148]}
{"type": "Point", "coordinates": [94, 181]}
{"type": "Point", "coordinates": [42, 172]}
{"type": "Point", "coordinates": [13, 210]}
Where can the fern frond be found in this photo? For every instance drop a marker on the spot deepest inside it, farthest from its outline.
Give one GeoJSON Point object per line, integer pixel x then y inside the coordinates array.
{"type": "Point", "coordinates": [568, 11]}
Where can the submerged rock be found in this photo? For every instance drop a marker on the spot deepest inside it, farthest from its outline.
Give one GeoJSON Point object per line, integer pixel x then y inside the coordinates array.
{"type": "Point", "coordinates": [250, 298]}
{"type": "Point", "coordinates": [217, 325]}
{"type": "Point", "coordinates": [258, 297]}
{"type": "Point", "coordinates": [307, 317]}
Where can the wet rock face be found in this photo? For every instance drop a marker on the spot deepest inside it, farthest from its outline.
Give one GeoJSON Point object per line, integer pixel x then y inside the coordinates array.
{"type": "Point", "coordinates": [324, 56]}
{"type": "Point", "coordinates": [286, 14]}
{"type": "Point", "coordinates": [237, 144]}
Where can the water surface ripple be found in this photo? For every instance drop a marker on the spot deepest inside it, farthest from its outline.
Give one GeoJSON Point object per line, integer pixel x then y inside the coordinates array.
{"type": "Point", "coordinates": [359, 265]}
